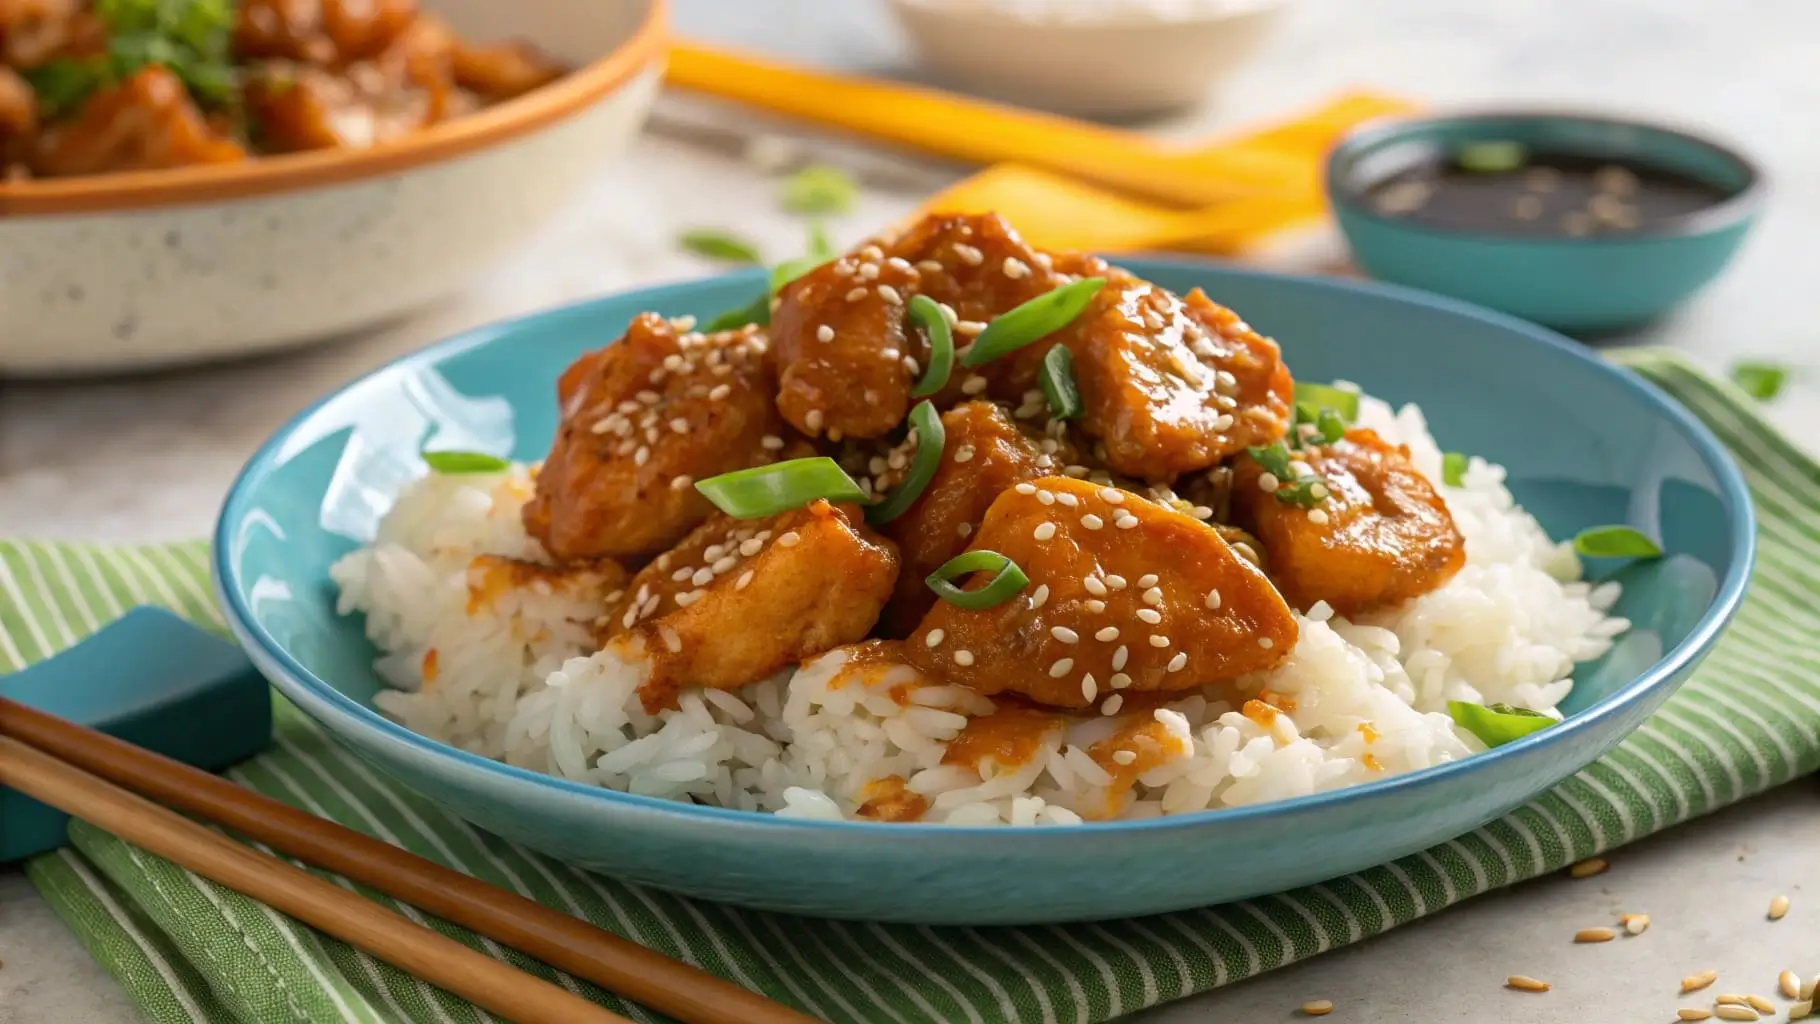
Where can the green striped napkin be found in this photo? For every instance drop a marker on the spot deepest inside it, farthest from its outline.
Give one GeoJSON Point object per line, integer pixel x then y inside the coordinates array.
{"type": "Point", "coordinates": [189, 950]}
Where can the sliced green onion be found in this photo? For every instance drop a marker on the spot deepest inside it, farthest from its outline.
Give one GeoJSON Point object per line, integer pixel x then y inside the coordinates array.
{"type": "Point", "coordinates": [790, 270]}
{"type": "Point", "coordinates": [1762, 381]}
{"type": "Point", "coordinates": [819, 188]}
{"type": "Point", "coordinates": [1332, 426]}
{"type": "Point", "coordinates": [720, 245]}
{"type": "Point", "coordinates": [465, 462]}
{"type": "Point", "coordinates": [1497, 724]}
{"type": "Point", "coordinates": [927, 313]}
{"type": "Point", "coordinates": [1453, 469]}
{"type": "Point", "coordinates": [1491, 157]}
{"type": "Point", "coordinates": [768, 490]}
{"type": "Point", "coordinates": [1326, 396]}
{"type": "Point", "coordinates": [1291, 489]}
{"type": "Point", "coordinates": [756, 312]}
{"type": "Point", "coordinates": [1057, 382]}
{"type": "Point", "coordinates": [821, 247]}
{"type": "Point", "coordinates": [931, 438]}
{"type": "Point", "coordinates": [1616, 542]}
{"type": "Point", "coordinates": [1033, 321]}
{"type": "Point", "coordinates": [1007, 583]}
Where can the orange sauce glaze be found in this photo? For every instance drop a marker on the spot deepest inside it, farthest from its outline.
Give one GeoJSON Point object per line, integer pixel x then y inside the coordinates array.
{"type": "Point", "coordinates": [1152, 745]}
{"type": "Point", "coordinates": [1010, 737]}
{"type": "Point", "coordinates": [890, 799]}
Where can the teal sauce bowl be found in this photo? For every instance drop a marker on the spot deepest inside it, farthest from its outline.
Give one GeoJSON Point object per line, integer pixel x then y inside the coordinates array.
{"type": "Point", "coordinates": [1585, 443]}
{"type": "Point", "coordinates": [1581, 285]}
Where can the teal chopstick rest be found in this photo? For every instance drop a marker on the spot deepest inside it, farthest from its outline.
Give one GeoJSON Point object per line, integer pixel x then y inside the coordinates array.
{"type": "Point", "coordinates": [151, 679]}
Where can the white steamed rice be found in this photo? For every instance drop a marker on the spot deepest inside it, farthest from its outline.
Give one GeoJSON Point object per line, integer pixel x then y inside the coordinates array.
{"type": "Point", "coordinates": [515, 678]}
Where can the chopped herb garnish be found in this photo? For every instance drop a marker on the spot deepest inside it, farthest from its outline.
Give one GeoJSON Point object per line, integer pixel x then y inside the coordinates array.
{"type": "Point", "coordinates": [1032, 321]}
{"type": "Point", "coordinates": [758, 311]}
{"type": "Point", "coordinates": [1497, 724]}
{"type": "Point", "coordinates": [454, 463]}
{"type": "Point", "coordinates": [926, 313]}
{"type": "Point", "coordinates": [821, 247]}
{"type": "Point", "coordinates": [819, 189]}
{"type": "Point", "coordinates": [1058, 386]}
{"type": "Point", "coordinates": [769, 490]}
{"type": "Point", "coordinates": [1616, 542]}
{"type": "Point", "coordinates": [1326, 396]}
{"type": "Point", "coordinates": [1453, 469]}
{"type": "Point", "coordinates": [719, 245]}
{"type": "Point", "coordinates": [1007, 582]}
{"type": "Point", "coordinates": [931, 438]}
{"type": "Point", "coordinates": [1331, 425]}
{"type": "Point", "coordinates": [1762, 381]}
{"type": "Point", "coordinates": [1491, 157]}
{"type": "Point", "coordinates": [189, 37]}
{"type": "Point", "coordinates": [1292, 488]}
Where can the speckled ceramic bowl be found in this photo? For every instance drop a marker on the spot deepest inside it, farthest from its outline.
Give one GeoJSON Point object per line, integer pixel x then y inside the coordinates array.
{"type": "Point", "coordinates": [130, 271]}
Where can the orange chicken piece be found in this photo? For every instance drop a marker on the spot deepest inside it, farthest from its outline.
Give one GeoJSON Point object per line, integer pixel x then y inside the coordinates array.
{"type": "Point", "coordinates": [1380, 537]}
{"type": "Point", "coordinates": [1125, 597]}
{"type": "Point", "coordinates": [145, 123]}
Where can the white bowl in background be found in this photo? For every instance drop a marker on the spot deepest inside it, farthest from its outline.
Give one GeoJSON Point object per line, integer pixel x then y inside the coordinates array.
{"type": "Point", "coordinates": [1112, 58]}
{"type": "Point", "coordinates": [140, 270]}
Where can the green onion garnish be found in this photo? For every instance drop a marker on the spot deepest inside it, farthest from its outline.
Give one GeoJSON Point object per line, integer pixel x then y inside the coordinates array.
{"type": "Point", "coordinates": [790, 270]}
{"type": "Point", "coordinates": [758, 311]}
{"type": "Point", "coordinates": [926, 313]}
{"type": "Point", "coordinates": [1291, 489]}
{"type": "Point", "coordinates": [821, 247]}
{"type": "Point", "coordinates": [1326, 396]}
{"type": "Point", "coordinates": [720, 245]}
{"type": "Point", "coordinates": [1453, 469]}
{"type": "Point", "coordinates": [1762, 381]}
{"type": "Point", "coordinates": [1057, 382]}
{"type": "Point", "coordinates": [1615, 542]}
{"type": "Point", "coordinates": [465, 462]}
{"type": "Point", "coordinates": [931, 438]}
{"type": "Point", "coordinates": [1033, 321]}
{"type": "Point", "coordinates": [1331, 425]}
{"type": "Point", "coordinates": [767, 490]}
{"type": "Point", "coordinates": [1491, 157]}
{"type": "Point", "coordinates": [1006, 584]}
{"type": "Point", "coordinates": [819, 188]}
{"type": "Point", "coordinates": [1497, 724]}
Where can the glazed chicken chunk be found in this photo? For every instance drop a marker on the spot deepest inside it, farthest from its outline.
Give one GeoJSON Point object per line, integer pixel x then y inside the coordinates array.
{"type": "Point", "coordinates": [984, 454]}
{"type": "Point", "coordinates": [642, 420]}
{"type": "Point", "coordinates": [1124, 596]}
{"type": "Point", "coordinates": [145, 123]}
{"type": "Point", "coordinates": [1381, 536]}
{"type": "Point", "coordinates": [1173, 386]}
{"type": "Point", "coordinates": [740, 599]}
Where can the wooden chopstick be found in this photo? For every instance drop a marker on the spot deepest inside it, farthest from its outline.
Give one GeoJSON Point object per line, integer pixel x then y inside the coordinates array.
{"type": "Point", "coordinates": [348, 916]}
{"type": "Point", "coordinates": [677, 989]}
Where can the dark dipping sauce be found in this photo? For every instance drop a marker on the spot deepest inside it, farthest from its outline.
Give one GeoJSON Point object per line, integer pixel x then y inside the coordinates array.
{"type": "Point", "coordinates": [1497, 189]}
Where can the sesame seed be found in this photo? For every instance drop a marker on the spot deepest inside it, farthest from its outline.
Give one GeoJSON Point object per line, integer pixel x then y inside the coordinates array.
{"type": "Point", "coordinates": [1068, 500]}
{"type": "Point", "coordinates": [813, 419]}
{"type": "Point", "coordinates": [1736, 1013]}
{"type": "Point", "coordinates": [1044, 531]}
{"type": "Point", "coordinates": [1124, 756]}
{"type": "Point", "coordinates": [1696, 982]}
{"type": "Point", "coordinates": [1790, 984]}
{"type": "Point", "coordinates": [1213, 600]}
{"type": "Point", "coordinates": [899, 264]}
{"type": "Point", "coordinates": [648, 397]}
{"type": "Point", "coordinates": [1025, 488]}
{"type": "Point", "coordinates": [969, 255]}
{"type": "Point", "coordinates": [911, 366]}
{"type": "Point", "coordinates": [1045, 498]}
{"type": "Point", "coordinates": [1635, 924]}
{"type": "Point", "coordinates": [1126, 522]}
{"type": "Point", "coordinates": [868, 271]}
{"type": "Point", "coordinates": [1092, 522]}
{"type": "Point", "coordinates": [1112, 495]}
{"type": "Point", "coordinates": [789, 540]}
{"type": "Point", "coordinates": [856, 294]}
{"type": "Point", "coordinates": [872, 253]}
{"type": "Point", "coordinates": [680, 425]}
{"type": "Point", "coordinates": [1808, 987]}
{"type": "Point", "coordinates": [1588, 868]}
{"type": "Point", "coordinates": [702, 577]}
{"type": "Point", "coordinates": [824, 333]}
{"type": "Point", "coordinates": [641, 456]}
{"type": "Point", "coordinates": [1778, 908]}
{"type": "Point", "coordinates": [684, 600]}
{"type": "Point", "coordinates": [1094, 605]}
{"type": "Point", "coordinates": [771, 442]}
{"type": "Point", "coordinates": [1760, 1004]}
{"type": "Point", "coordinates": [1694, 1013]}
{"type": "Point", "coordinates": [965, 530]}
{"type": "Point", "coordinates": [1150, 615]}
{"type": "Point", "coordinates": [1801, 1010]}
{"type": "Point", "coordinates": [963, 658]}
{"type": "Point", "coordinates": [934, 638]}
{"type": "Point", "coordinates": [1115, 581]}
{"type": "Point", "coordinates": [1094, 586]}
{"type": "Point", "coordinates": [1107, 634]}
{"type": "Point", "coordinates": [1158, 640]}
{"type": "Point", "coordinates": [1040, 597]}
{"type": "Point", "coordinates": [1015, 268]}
{"type": "Point", "coordinates": [1525, 983]}
{"type": "Point", "coordinates": [1153, 596]}
{"type": "Point", "coordinates": [1266, 643]}
{"type": "Point", "coordinates": [1595, 935]}
{"type": "Point", "coordinates": [1317, 517]}
{"type": "Point", "coordinates": [973, 385]}
{"type": "Point", "coordinates": [1113, 704]}
{"type": "Point", "coordinates": [1119, 658]}
{"type": "Point", "coordinates": [1065, 635]}
{"type": "Point", "coordinates": [968, 327]}
{"type": "Point", "coordinates": [1268, 483]}
{"type": "Point", "coordinates": [681, 483]}
{"type": "Point", "coordinates": [965, 454]}
{"type": "Point", "coordinates": [1317, 1007]}
{"type": "Point", "coordinates": [681, 574]}
{"type": "Point", "coordinates": [723, 564]}
{"type": "Point", "coordinates": [930, 266]}
{"type": "Point", "coordinates": [1149, 579]}
{"type": "Point", "coordinates": [890, 294]}
{"type": "Point", "coordinates": [1179, 662]}
{"type": "Point", "coordinates": [1061, 668]}
{"type": "Point", "coordinates": [1120, 680]}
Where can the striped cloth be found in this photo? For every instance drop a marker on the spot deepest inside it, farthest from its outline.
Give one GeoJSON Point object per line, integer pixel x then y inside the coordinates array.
{"type": "Point", "coordinates": [188, 950]}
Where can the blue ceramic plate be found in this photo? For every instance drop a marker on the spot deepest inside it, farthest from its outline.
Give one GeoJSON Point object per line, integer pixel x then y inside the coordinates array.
{"type": "Point", "coordinates": [1585, 444]}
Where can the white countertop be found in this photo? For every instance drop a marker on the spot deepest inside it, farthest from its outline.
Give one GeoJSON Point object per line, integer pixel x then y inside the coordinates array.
{"type": "Point", "coordinates": [150, 458]}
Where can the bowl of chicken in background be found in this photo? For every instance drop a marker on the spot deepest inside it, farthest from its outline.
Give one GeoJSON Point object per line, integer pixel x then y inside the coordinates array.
{"type": "Point", "coordinates": [200, 181]}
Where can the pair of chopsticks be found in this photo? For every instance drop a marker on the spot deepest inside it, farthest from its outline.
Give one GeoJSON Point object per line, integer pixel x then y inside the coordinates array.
{"type": "Point", "coordinates": [82, 772]}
